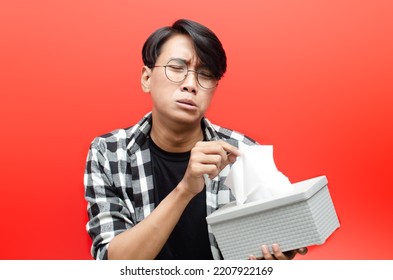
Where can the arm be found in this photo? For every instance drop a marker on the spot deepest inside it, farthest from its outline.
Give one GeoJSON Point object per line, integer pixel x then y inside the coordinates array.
{"type": "Point", "coordinates": [145, 239]}
{"type": "Point", "coordinates": [111, 224]}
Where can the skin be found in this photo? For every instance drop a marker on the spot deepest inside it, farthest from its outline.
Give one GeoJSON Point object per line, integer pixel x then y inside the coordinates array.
{"type": "Point", "coordinates": [277, 253]}
{"type": "Point", "coordinates": [177, 110]}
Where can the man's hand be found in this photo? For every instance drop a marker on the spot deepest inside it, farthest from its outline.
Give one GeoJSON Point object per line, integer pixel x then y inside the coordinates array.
{"type": "Point", "coordinates": [207, 157]}
{"type": "Point", "coordinates": [278, 254]}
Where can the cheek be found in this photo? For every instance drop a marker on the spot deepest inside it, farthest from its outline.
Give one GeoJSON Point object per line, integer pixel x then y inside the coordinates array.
{"type": "Point", "coordinates": [157, 82]}
{"type": "Point", "coordinates": [159, 86]}
{"type": "Point", "coordinates": [162, 92]}
{"type": "Point", "coordinates": [205, 100]}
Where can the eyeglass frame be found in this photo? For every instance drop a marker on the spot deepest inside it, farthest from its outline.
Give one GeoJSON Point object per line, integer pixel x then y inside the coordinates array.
{"type": "Point", "coordinates": [186, 75]}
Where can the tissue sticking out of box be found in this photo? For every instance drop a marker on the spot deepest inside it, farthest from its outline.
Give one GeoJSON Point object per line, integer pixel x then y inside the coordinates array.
{"type": "Point", "coordinates": [254, 176]}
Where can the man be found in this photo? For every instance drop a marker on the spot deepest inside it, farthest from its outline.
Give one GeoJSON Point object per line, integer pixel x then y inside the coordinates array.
{"type": "Point", "coordinates": [149, 187]}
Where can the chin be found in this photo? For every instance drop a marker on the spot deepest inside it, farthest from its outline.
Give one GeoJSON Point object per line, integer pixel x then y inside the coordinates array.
{"type": "Point", "coordinates": [187, 118]}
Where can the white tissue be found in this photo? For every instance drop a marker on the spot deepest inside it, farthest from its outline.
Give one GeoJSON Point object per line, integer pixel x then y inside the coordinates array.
{"type": "Point", "coordinates": [254, 176]}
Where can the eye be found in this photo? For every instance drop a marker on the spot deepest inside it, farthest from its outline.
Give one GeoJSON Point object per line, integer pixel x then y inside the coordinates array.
{"type": "Point", "coordinates": [176, 68]}
{"type": "Point", "coordinates": [176, 65]}
{"type": "Point", "coordinates": [204, 74]}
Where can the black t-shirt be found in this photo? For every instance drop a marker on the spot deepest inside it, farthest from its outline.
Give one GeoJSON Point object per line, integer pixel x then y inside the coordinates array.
{"type": "Point", "coordinates": [190, 239]}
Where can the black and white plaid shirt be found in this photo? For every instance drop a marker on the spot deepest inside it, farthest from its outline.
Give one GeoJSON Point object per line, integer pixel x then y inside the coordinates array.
{"type": "Point", "coordinates": [119, 182]}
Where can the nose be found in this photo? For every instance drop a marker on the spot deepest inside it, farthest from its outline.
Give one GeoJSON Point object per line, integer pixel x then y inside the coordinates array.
{"type": "Point", "coordinates": [190, 83]}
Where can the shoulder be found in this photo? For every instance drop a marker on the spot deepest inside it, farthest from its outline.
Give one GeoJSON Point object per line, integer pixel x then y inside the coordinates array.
{"type": "Point", "coordinates": [233, 135]}
{"type": "Point", "coordinates": [125, 138]}
{"type": "Point", "coordinates": [114, 140]}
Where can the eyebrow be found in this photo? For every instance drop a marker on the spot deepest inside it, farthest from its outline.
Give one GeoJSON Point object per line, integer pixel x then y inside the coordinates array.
{"type": "Point", "coordinates": [181, 59]}
{"type": "Point", "coordinates": [187, 62]}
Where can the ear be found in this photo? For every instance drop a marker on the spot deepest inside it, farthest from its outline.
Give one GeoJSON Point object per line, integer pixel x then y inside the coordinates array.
{"type": "Point", "coordinates": [145, 78]}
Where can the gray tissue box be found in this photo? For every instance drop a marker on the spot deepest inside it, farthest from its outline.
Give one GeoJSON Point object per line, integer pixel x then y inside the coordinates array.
{"type": "Point", "coordinates": [300, 218]}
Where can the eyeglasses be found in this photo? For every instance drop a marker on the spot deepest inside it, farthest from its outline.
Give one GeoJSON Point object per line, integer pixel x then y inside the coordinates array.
{"type": "Point", "coordinates": [176, 70]}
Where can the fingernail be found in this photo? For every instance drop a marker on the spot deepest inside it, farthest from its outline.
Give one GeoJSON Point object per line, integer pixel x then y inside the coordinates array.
{"type": "Point", "coordinates": [265, 249]}
{"type": "Point", "coordinates": [275, 248]}
{"type": "Point", "coordinates": [303, 251]}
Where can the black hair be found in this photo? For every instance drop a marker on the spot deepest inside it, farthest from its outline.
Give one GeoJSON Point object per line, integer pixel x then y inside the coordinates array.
{"type": "Point", "coordinates": [207, 46]}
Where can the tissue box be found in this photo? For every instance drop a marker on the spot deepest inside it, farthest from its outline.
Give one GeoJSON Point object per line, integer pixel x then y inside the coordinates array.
{"type": "Point", "coordinates": [300, 218]}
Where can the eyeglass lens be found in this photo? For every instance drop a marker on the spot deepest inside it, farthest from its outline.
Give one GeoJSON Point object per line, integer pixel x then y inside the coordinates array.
{"type": "Point", "coordinates": [176, 70]}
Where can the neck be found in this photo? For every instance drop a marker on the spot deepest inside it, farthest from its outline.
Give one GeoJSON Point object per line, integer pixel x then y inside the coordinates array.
{"type": "Point", "coordinates": [175, 140]}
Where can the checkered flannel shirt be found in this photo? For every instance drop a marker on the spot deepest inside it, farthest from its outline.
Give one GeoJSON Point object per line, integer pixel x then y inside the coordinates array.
{"type": "Point", "coordinates": [119, 182]}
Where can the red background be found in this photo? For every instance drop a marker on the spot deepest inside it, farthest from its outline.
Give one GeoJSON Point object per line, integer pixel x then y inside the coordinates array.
{"type": "Point", "coordinates": [313, 78]}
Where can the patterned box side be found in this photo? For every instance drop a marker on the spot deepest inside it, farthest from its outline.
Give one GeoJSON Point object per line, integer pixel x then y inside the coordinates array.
{"type": "Point", "coordinates": [324, 214]}
{"type": "Point", "coordinates": [292, 226]}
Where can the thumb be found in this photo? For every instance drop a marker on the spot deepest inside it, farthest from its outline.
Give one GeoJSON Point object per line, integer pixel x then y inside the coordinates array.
{"type": "Point", "coordinates": [302, 251]}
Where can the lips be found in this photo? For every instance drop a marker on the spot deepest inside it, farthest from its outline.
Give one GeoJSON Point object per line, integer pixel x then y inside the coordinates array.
{"type": "Point", "coordinates": [188, 102]}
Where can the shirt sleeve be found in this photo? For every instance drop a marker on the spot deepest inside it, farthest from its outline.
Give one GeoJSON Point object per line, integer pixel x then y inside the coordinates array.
{"type": "Point", "coordinates": [107, 212]}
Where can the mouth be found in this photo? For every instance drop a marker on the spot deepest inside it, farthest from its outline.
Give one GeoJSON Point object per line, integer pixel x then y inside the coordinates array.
{"type": "Point", "coordinates": [186, 102]}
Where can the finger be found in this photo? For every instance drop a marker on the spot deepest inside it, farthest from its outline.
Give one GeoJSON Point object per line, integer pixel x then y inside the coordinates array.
{"type": "Point", "coordinates": [278, 253]}
{"type": "Point", "coordinates": [302, 251]}
{"type": "Point", "coordinates": [210, 148]}
{"type": "Point", "coordinates": [211, 159]}
{"type": "Point", "coordinates": [198, 169]}
{"type": "Point", "coordinates": [218, 147]}
{"type": "Point", "coordinates": [223, 152]}
{"type": "Point", "coordinates": [230, 149]}
{"type": "Point", "coordinates": [266, 253]}
{"type": "Point", "coordinates": [226, 153]}
{"type": "Point", "coordinates": [212, 164]}
{"type": "Point", "coordinates": [252, 257]}
{"type": "Point", "coordinates": [231, 154]}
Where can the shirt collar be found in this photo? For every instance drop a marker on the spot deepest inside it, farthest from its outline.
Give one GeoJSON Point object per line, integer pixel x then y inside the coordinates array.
{"type": "Point", "coordinates": [140, 132]}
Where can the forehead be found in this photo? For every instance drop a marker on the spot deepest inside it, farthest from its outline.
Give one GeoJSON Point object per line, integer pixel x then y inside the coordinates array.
{"type": "Point", "coordinates": [178, 46]}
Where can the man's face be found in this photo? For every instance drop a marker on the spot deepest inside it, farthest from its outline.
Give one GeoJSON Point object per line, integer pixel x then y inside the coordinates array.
{"type": "Point", "coordinates": [184, 102]}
